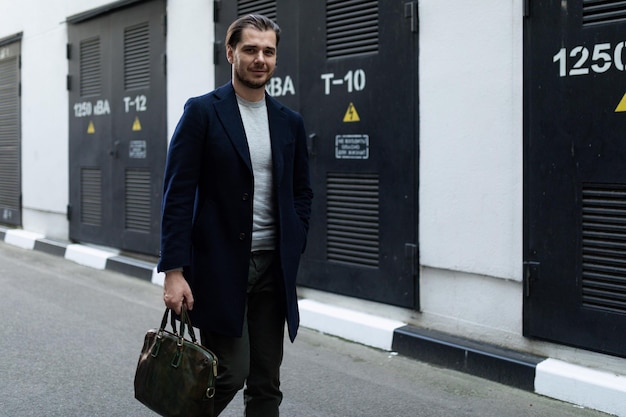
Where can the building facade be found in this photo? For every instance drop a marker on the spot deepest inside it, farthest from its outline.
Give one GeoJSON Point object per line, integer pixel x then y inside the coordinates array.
{"type": "Point", "coordinates": [465, 156]}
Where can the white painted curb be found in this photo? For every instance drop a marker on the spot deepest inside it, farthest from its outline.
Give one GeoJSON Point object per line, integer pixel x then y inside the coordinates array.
{"type": "Point", "coordinates": [583, 386]}
{"type": "Point", "coordinates": [84, 255]}
{"type": "Point", "coordinates": [158, 278]}
{"type": "Point", "coordinates": [352, 325]}
{"type": "Point", "coordinates": [22, 238]}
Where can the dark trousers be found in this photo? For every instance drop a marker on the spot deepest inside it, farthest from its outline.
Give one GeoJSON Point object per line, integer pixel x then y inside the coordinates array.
{"type": "Point", "coordinates": [255, 358]}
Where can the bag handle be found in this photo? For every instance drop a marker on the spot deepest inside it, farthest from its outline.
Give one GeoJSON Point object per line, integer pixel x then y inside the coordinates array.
{"type": "Point", "coordinates": [184, 321]}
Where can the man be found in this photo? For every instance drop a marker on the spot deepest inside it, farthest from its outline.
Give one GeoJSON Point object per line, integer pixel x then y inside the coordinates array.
{"type": "Point", "coordinates": [236, 208]}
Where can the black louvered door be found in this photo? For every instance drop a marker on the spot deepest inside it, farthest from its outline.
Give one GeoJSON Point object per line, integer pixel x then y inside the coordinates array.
{"type": "Point", "coordinates": [358, 74]}
{"type": "Point", "coordinates": [117, 126]}
{"type": "Point", "coordinates": [10, 137]}
{"type": "Point", "coordinates": [575, 181]}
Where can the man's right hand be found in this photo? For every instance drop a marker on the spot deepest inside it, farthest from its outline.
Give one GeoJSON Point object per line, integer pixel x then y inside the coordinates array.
{"type": "Point", "coordinates": [176, 291]}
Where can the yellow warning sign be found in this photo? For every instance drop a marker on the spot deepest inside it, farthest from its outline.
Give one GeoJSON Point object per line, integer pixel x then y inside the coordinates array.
{"type": "Point", "coordinates": [91, 129]}
{"type": "Point", "coordinates": [622, 105]}
{"type": "Point", "coordinates": [136, 125]}
{"type": "Point", "coordinates": [351, 114]}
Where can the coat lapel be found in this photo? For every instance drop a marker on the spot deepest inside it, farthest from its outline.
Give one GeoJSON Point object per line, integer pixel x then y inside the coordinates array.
{"type": "Point", "coordinates": [227, 111]}
{"type": "Point", "coordinates": [279, 133]}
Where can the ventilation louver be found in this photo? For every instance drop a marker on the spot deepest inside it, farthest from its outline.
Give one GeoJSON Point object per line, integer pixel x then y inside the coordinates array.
{"type": "Point", "coordinates": [604, 247]}
{"type": "Point", "coordinates": [603, 11]}
{"type": "Point", "coordinates": [351, 27]}
{"type": "Point", "coordinates": [352, 213]}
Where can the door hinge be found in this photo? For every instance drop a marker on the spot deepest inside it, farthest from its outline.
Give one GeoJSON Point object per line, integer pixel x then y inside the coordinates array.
{"type": "Point", "coordinates": [68, 51]}
{"type": "Point", "coordinates": [410, 253]}
{"type": "Point", "coordinates": [531, 274]}
{"type": "Point", "coordinates": [68, 82]}
{"type": "Point", "coordinates": [410, 12]}
{"type": "Point", "coordinates": [217, 51]}
{"type": "Point", "coordinates": [68, 214]}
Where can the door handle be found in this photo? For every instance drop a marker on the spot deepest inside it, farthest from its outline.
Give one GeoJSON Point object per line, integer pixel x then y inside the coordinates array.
{"type": "Point", "coordinates": [312, 140]}
{"type": "Point", "coordinates": [114, 152]}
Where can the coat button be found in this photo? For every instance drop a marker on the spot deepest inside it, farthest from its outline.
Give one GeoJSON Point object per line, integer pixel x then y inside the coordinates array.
{"type": "Point", "coordinates": [242, 236]}
{"type": "Point", "coordinates": [245, 196]}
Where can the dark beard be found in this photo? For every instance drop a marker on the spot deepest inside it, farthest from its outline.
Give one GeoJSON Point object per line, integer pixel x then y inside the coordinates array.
{"type": "Point", "coordinates": [249, 83]}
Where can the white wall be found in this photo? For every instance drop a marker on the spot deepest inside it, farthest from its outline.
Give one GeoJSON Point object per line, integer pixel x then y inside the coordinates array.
{"type": "Point", "coordinates": [471, 136]}
{"type": "Point", "coordinates": [190, 69]}
{"type": "Point", "coordinates": [471, 139]}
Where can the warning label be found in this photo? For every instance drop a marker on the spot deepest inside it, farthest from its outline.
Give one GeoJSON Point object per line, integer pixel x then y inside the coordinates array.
{"type": "Point", "coordinates": [621, 107]}
{"type": "Point", "coordinates": [136, 125]}
{"type": "Point", "coordinates": [351, 114]}
{"type": "Point", "coordinates": [352, 147]}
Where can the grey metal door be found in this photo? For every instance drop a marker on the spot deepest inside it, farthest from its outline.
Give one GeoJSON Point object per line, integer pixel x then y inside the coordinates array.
{"type": "Point", "coordinates": [117, 126]}
{"type": "Point", "coordinates": [574, 175]}
{"type": "Point", "coordinates": [10, 132]}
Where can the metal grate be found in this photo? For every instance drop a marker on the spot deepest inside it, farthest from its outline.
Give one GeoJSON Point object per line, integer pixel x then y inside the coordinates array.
{"type": "Point", "coordinates": [9, 169]}
{"type": "Point", "coordinates": [603, 11]}
{"type": "Point", "coordinates": [138, 201]}
{"type": "Point", "coordinates": [264, 7]}
{"type": "Point", "coordinates": [10, 183]}
{"type": "Point", "coordinates": [90, 67]}
{"type": "Point", "coordinates": [137, 56]}
{"type": "Point", "coordinates": [604, 247]}
{"type": "Point", "coordinates": [351, 27]}
{"type": "Point", "coordinates": [352, 210]}
{"type": "Point", "coordinates": [91, 196]}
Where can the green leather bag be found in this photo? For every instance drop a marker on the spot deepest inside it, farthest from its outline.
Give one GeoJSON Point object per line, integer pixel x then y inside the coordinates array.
{"type": "Point", "coordinates": [175, 376]}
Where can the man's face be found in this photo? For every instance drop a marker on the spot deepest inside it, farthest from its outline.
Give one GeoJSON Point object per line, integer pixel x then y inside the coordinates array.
{"type": "Point", "coordinates": [254, 58]}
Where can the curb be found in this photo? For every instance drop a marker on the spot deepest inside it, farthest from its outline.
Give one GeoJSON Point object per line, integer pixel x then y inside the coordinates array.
{"type": "Point", "coordinates": [599, 390]}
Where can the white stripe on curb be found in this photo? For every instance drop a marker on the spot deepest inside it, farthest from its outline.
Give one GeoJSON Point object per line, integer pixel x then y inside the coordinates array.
{"type": "Point", "coordinates": [590, 388]}
{"type": "Point", "coordinates": [85, 255]}
{"type": "Point", "coordinates": [22, 238]}
{"type": "Point", "coordinates": [352, 325]}
{"type": "Point", "coordinates": [158, 278]}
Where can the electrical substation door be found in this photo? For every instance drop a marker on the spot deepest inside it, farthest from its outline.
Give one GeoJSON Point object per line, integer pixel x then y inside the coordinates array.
{"type": "Point", "coordinates": [575, 174]}
{"type": "Point", "coordinates": [10, 136]}
{"type": "Point", "coordinates": [353, 73]}
{"type": "Point", "coordinates": [117, 126]}
{"type": "Point", "coordinates": [358, 98]}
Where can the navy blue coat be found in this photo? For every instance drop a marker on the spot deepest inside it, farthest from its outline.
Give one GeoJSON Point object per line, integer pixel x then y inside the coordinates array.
{"type": "Point", "coordinates": [207, 206]}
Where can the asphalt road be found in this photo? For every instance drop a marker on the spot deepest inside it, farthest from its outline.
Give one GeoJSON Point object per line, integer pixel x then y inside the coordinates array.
{"type": "Point", "coordinates": [70, 338]}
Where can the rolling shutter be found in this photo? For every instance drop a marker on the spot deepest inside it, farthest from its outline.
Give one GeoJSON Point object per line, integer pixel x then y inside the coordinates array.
{"type": "Point", "coordinates": [10, 135]}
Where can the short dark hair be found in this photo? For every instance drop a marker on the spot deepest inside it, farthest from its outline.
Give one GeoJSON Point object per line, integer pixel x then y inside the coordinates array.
{"type": "Point", "coordinates": [256, 21]}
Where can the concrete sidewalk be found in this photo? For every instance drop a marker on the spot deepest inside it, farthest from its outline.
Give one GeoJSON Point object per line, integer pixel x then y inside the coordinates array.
{"type": "Point", "coordinates": [601, 390]}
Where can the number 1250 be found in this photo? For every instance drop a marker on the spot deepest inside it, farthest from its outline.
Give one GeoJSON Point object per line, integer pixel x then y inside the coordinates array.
{"type": "Point", "coordinates": [602, 58]}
